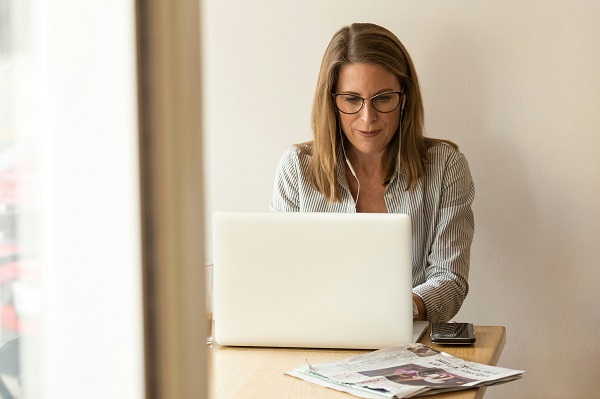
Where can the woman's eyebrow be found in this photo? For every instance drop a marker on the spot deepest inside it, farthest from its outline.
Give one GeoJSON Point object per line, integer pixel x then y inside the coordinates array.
{"type": "Point", "coordinates": [387, 90]}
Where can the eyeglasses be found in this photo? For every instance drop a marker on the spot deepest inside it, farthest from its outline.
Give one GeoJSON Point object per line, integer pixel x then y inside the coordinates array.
{"type": "Point", "coordinates": [351, 103]}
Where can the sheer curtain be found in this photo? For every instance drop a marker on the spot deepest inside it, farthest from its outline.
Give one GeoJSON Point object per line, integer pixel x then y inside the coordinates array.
{"type": "Point", "coordinates": [70, 261]}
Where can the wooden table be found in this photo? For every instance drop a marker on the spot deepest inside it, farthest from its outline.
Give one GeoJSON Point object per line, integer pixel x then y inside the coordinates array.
{"type": "Point", "coordinates": [258, 372]}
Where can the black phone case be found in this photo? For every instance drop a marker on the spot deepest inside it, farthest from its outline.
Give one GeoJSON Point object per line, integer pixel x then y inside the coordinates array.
{"type": "Point", "coordinates": [452, 333]}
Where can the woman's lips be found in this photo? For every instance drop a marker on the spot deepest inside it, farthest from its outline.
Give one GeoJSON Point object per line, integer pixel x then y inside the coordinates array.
{"type": "Point", "coordinates": [369, 133]}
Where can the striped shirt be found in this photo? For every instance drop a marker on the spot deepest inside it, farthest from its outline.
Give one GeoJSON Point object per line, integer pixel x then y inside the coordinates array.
{"type": "Point", "coordinates": [440, 211]}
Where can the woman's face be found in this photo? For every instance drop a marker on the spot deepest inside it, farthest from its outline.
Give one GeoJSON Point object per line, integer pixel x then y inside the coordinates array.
{"type": "Point", "coordinates": [368, 131]}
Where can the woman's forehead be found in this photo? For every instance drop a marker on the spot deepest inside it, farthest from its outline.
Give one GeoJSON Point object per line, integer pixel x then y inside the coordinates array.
{"type": "Point", "coordinates": [366, 79]}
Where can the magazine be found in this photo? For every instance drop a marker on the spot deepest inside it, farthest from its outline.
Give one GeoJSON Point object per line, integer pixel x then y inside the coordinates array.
{"type": "Point", "coordinates": [403, 371]}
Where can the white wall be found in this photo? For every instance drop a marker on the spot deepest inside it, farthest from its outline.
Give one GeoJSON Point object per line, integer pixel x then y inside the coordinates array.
{"type": "Point", "coordinates": [516, 84]}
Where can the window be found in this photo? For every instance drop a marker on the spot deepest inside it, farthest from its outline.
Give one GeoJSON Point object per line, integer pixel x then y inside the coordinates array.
{"type": "Point", "coordinates": [76, 235]}
{"type": "Point", "coordinates": [70, 263]}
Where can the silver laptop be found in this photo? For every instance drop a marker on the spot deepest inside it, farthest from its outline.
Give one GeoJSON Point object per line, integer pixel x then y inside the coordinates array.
{"type": "Point", "coordinates": [319, 280]}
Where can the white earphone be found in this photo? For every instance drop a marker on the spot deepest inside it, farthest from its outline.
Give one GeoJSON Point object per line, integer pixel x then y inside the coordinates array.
{"type": "Point", "coordinates": [349, 165]}
{"type": "Point", "coordinates": [403, 102]}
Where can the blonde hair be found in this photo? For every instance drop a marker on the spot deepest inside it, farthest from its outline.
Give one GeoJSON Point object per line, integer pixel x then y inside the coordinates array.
{"type": "Point", "coordinates": [370, 44]}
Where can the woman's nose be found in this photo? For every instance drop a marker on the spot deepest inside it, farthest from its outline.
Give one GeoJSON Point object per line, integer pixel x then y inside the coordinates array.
{"type": "Point", "coordinates": [368, 113]}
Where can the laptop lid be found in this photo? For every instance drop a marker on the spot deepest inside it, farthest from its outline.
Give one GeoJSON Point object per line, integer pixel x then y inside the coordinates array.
{"type": "Point", "coordinates": [321, 280]}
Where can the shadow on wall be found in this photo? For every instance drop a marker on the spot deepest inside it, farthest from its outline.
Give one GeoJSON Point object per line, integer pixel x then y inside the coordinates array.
{"type": "Point", "coordinates": [464, 103]}
{"type": "Point", "coordinates": [531, 242]}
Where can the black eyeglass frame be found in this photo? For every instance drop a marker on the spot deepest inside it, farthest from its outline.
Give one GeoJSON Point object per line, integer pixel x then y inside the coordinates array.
{"type": "Point", "coordinates": [335, 95]}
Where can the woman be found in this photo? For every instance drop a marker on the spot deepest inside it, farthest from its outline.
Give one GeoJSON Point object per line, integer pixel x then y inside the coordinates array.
{"type": "Point", "coordinates": [369, 155]}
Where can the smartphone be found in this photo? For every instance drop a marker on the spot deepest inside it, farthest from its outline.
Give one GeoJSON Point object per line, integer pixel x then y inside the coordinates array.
{"type": "Point", "coordinates": [452, 333]}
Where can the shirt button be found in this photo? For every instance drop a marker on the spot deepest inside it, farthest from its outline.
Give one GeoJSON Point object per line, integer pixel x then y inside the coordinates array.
{"type": "Point", "coordinates": [390, 195]}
